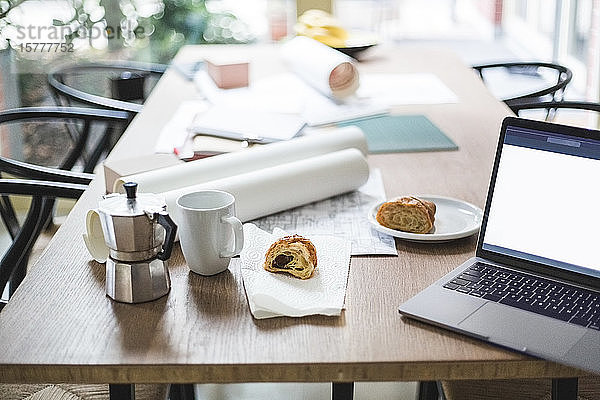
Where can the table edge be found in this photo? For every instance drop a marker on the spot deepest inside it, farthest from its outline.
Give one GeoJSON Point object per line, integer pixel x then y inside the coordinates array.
{"type": "Point", "coordinates": [281, 372]}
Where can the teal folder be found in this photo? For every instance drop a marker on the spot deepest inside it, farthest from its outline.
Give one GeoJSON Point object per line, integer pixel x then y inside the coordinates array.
{"type": "Point", "coordinates": [402, 133]}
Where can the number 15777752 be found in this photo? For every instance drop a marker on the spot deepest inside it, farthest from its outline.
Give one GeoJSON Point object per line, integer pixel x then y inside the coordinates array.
{"type": "Point", "coordinates": [46, 47]}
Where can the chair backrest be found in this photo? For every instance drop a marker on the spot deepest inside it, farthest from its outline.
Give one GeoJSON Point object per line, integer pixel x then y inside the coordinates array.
{"type": "Point", "coordinates": [574, 105]}
{"type": "Point", "coordinates": [551, 109]}
{"type": "Point", "coordinates": [553, 91]}
{"type": "Point", "coordinates": [82, 149]}
{"type": "Point", "coordinates": [64, 93]}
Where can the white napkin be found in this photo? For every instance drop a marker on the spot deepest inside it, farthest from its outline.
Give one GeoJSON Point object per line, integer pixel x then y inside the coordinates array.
{"type": "Point", "coordinates": [273, 295]}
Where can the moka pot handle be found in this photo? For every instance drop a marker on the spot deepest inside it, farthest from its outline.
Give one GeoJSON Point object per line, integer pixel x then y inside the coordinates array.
{"type": "Point", "coordinates": [165, 220]}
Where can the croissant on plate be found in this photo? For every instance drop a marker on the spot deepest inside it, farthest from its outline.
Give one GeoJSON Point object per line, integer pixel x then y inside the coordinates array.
{"type": "Point", "coordinates": [295, 255]}
{"type": "Point", "coordinates": [408, 214]}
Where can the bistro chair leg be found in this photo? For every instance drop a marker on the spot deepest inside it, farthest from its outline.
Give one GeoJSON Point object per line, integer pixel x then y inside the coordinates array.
{"type": "Point", "coordinates": [121, 391]}
{"type": "Point", "coordinates": [181, 392]}
{"type": "Point", "coordinates": [564, 389]}
{"type": "Point", "coordinates": [342, 390]}
{"type": "Point", "coordinates": [428, 390]}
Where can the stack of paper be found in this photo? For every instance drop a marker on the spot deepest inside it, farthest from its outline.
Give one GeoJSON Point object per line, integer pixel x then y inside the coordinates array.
{"type": "Point", "coordinates": [278, 106]}
{"type": "Point", "coordinates": [286, 93]}
{"type": "Point", "coordinates": [246, 124]}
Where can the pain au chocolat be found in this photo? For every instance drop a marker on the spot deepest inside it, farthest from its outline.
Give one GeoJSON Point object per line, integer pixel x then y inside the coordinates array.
{"type": "Point", "coordinates": [295, 255]}
{"type": "Point", "coordinates": [408, 214]}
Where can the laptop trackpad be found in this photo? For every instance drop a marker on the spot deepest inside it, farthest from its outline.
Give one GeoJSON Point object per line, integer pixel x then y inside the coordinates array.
{"type": "Point", "coordinates": [522, 330]}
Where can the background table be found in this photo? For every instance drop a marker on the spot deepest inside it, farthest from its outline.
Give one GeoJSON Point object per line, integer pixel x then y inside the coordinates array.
{"type": "Point", "coordinates": [60, 326]}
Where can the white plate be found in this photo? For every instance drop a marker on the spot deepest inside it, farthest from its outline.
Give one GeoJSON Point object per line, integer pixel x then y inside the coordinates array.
{"type": "Point", "coordinates": [454, 219]}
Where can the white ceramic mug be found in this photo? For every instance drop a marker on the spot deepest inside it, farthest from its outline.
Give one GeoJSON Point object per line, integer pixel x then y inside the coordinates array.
{"type": "Point", "coordinates": [209, 232]}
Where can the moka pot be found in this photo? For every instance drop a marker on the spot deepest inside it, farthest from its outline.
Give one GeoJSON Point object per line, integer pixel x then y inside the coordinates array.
{"type": "Point", "coordinates": [139, 234]}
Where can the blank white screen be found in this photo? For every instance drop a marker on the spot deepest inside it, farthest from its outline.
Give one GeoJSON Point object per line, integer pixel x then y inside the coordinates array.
{"type": "Point", "coordinates": [546, 204]}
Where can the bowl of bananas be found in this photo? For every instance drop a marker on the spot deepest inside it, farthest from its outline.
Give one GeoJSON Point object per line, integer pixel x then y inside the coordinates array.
{"type": "Point", "coordinates": [323, 27]}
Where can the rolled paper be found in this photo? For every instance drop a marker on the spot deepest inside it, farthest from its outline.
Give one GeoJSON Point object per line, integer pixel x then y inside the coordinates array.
{"type": "Point", "coordinates": [270, 190]}
{"type": "Point", "coordinates": [322, 67]}
{"type": "Point", "coordinates": [225, 165]}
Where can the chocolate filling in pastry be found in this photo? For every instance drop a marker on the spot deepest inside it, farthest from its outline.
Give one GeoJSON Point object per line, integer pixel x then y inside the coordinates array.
{"type": "Point", "coordinates": [281, 261]}
{"type": "Point", "coordinates": [292, 254]}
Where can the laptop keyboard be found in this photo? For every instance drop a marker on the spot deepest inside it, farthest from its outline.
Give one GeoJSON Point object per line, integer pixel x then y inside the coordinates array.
{"type": "Point", "coordinates": [541, 296]}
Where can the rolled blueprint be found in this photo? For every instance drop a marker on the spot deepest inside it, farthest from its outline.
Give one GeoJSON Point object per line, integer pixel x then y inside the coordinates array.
{"type": "Point", "coordinates": [270, 190]}
{"type": "Point", "coordinates": [327, 70]}
{"type": "Point", "coordinates": [225, 165]}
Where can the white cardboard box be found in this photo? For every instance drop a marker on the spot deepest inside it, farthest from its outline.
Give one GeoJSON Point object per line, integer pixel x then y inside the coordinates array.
{"type": "Point", "coordinates": [116, 169]}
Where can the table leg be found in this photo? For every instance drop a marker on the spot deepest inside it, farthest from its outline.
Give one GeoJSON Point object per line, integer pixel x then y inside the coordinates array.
{"type": "Point", "coordinates": [428, 390]}
{"type": "Point", "coordinates": [342, 390]}
{"type": "Point", "coordinates": [564, 389]}
{"type": "Point", "coordinates": [121, 391]}
{"type": "Point", "coordinates": [181, 392]}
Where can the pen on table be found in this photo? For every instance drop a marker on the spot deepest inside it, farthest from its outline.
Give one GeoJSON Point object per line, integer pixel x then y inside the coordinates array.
{"type": "Point", "coordinates": [230, 135]}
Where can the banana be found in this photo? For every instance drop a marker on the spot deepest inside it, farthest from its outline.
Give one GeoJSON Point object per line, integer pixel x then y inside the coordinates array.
{"type": "Point", "coordinates": [323, 27]}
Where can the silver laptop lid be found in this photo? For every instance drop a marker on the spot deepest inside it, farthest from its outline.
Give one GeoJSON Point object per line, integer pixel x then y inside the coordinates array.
{"type": "Point", "coordinates": [543, 207]}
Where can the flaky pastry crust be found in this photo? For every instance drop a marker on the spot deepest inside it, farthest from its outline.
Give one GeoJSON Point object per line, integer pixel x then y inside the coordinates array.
{"type": "Point", "coordinates": [408, 214]}
{"type": "Point", "coordinates": [294, 254]}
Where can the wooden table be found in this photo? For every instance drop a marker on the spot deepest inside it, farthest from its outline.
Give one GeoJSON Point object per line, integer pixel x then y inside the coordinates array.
{"type": "Point", "coordinates": [60, 327]}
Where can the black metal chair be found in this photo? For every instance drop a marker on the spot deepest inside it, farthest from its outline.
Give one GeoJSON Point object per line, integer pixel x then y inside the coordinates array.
{"type": "Point", "coordinates": [43, 184]}
{"type": "Point", "coordinates": [119, 86]}
{"type": "Point", "coordinates": [14, 262]}
{"type": "Point", "coordinates": [552, 90]}
{"type": "Point", "coordinates": [122, 84]}
{"type": "Point", "coordinates": [551, 109]}
{"type": "Point", "coordinates": [555, 105]}
{"type": "Point", "coordinates": [114, 123]}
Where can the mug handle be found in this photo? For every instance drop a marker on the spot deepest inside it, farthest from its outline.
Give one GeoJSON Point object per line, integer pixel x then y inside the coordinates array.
{"type": "Point", "coordinates": [238, 231]}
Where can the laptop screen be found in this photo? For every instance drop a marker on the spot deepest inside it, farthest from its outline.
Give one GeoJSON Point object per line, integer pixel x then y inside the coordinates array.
{"type": "Point", "coordinates": [545, 205]}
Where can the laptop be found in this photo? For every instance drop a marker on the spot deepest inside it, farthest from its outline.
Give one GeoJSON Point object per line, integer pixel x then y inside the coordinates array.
{"type": "Point", "coordinates": [534, 284]}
